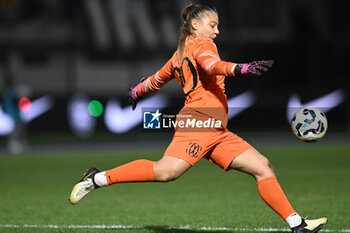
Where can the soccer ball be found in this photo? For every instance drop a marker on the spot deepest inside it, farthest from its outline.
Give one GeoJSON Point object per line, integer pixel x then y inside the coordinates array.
{"type": "Point", "coordinates": [309, 124]}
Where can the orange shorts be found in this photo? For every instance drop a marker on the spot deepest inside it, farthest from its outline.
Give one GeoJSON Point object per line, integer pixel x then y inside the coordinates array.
{"type": "Point", "coordinates": [219, 147]}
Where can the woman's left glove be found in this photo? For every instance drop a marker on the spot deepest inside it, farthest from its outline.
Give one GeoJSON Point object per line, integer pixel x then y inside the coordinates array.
{"type": "Point", "coordinates": [133, 96]}
{"type": "Point", "coordinates": [255, 68]}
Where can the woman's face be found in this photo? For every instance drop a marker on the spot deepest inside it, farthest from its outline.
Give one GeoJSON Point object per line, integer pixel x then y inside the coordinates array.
{"type": "Point", "coordinates": [207, 26]}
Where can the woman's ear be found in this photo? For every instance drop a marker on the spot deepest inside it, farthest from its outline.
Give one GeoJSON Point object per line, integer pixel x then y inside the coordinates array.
{"type": "Point", "coordinates": [194, 24]}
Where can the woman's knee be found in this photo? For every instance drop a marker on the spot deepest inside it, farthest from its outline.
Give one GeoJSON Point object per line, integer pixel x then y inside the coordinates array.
{"type": "Point", "coordinates": [253, 163]}
{"type": "Point", "coordinates": [166, 175]}
{"type": "Point", "coordinates": [265, 170]}
{"type": "Point", "coordinates": [169, 168]}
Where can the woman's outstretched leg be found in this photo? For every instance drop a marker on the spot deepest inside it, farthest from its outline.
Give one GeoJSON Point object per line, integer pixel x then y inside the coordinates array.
{"type": "Point", "coordinates": [255, 164]}
{"type": "Point", "coordinates": [166, 169]}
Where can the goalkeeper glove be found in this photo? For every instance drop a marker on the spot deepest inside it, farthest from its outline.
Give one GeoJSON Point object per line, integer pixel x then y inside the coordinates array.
{"type": "Point", "coordinates": [255, 68]}
{"type": "Point", "coordinates": [133, 96]}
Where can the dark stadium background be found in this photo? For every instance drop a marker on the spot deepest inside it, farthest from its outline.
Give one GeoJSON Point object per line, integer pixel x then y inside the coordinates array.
{"type": "Point", "coordinates": [100, 48]}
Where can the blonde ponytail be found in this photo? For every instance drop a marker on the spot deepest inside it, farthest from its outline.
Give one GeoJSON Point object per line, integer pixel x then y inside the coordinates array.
{"type": "Point", "coordinates": [190, 12]}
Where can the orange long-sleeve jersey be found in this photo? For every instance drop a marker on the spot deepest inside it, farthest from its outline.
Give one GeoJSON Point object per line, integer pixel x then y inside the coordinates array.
{"type": "Point", "coordinates": [201, 74]}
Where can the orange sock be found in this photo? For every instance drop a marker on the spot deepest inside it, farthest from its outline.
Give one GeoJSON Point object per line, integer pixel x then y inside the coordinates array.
{"type": "Point", "coordinates": [272, 193]}
{"type": "Point", "coordinates": [136, 171]}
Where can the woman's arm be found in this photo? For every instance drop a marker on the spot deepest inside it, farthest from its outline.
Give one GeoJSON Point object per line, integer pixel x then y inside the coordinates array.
{"type": "Point", "coordinates": [156, 81]}
{"type": "Point", "coordinates": [150, 85]}
{"type": "Point", "coordinates": [208, 58]}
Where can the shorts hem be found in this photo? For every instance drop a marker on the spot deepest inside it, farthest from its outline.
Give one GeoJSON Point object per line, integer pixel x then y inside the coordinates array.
{"type": "Point", "coordinates": [179, 157]}
{"type": "Point", "coordinates": [227, 167]}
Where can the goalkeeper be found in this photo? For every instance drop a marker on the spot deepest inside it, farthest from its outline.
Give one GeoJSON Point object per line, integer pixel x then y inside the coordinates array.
{"type": "Point", "coordinates": [199, 70]}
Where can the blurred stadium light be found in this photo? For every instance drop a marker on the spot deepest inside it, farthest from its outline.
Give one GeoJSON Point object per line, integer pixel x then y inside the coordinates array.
{"type": "Point", "coordinates": [7, 124]}
{"type": "Point", "coordinates": [37, 108]}
{"type": "Point", "coordinates": [324, 103]}
{"type": "Point", "coordinates": [79, 119]}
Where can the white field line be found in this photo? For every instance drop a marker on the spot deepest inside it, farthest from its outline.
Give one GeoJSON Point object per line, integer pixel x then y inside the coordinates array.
{"type": "Point", "coordinates": [116, 227]}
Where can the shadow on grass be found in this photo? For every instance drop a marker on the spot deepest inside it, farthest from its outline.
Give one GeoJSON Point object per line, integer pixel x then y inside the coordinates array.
{"type": "Point", "coordinates": [169, 229]}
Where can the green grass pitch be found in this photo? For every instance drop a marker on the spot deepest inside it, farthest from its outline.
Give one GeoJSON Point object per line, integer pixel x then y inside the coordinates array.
{"type": "Point", "coordinates": [35, 188]}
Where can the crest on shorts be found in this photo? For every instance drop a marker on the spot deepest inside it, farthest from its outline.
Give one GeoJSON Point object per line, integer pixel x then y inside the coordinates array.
{"type": "Point", "coordinates": [193, 149]}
